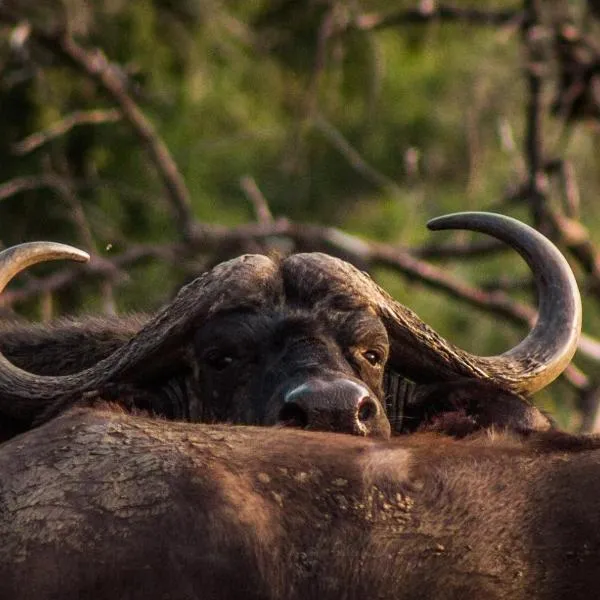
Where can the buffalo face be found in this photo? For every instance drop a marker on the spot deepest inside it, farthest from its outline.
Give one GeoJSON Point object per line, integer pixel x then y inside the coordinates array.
{"type": "Point", "coordinates": [320, 370]}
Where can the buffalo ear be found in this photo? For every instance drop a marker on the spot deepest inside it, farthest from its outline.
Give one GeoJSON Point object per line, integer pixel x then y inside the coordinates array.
{"type": "Point", "coordinates": [462, 407]}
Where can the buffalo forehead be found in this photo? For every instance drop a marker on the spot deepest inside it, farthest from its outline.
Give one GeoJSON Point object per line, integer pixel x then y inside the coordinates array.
{"type": "Point", "coordinates": [251, 280]}
{"type": "Point", "coordinates": [316, 279]}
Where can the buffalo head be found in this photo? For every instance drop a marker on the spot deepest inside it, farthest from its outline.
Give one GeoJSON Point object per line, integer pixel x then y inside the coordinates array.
{"type": "Point", "coordinates": [302, 341]}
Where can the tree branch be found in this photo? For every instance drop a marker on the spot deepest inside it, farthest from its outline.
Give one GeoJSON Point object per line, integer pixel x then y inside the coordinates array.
{"type": "Point", "coordinates": [430, 11]}
{"type": "Point", "coordinates": [96, 66]}
{"type": "Point", "coordinates": [335, 137]}
{"type": "Point", "coordinates": [90, 117]}
{"type": "Point", "coordinates": [536, 182]}
{"type": "Point", "coordinates": [259, 202]}
{"type": "Point", "coordinates": [27, 183]}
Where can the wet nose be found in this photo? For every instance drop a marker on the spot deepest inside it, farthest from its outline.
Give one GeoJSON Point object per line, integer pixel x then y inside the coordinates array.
{"type": "Point", "coordinates": [340, 405]}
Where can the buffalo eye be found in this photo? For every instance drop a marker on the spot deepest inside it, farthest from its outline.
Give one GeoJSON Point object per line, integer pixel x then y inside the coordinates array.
{"type": "Point", "coordinates": [373, 357]}
{"type": "Point", "coordinates": [218, 360]}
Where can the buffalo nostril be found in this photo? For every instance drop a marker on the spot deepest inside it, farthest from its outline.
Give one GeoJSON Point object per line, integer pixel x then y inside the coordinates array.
{"type": "Point", "coordinates": [367, 410]}
{"type": "Point", "coordinates": [291, 415]}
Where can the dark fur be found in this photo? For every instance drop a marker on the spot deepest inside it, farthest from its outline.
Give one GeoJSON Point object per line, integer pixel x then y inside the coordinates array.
{"type": "Point", "coordinates": [101, 505]}
{"type": "Point", "coordinates": [463, 407]}
{"type": "Point", "coordinates": [272, 351]}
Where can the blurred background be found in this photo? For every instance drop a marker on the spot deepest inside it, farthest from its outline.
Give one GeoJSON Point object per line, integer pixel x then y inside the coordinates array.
{"type": "Point", "coordinates": [164, 136]}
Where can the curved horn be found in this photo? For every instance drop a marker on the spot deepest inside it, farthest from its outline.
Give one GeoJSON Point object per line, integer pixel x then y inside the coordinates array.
{"type": "Point", "coordinates": [23, 395]}
{"type": "Point", "coordinates": [14, 260]}
{"type": "Point", "coordinates": [420, 353]}
{"type": "Point", "coordinates": [550, 345]}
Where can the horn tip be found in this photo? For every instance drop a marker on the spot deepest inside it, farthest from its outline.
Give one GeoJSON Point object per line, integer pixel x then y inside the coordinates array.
{"type": "Point", "coordinates": [444, 221]}
{"type": "Point", "coordinates": [82, 256]}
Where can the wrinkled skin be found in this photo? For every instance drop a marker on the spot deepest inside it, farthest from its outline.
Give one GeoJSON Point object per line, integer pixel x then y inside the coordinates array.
{"type": "Point", "coordinates": [102, 505]}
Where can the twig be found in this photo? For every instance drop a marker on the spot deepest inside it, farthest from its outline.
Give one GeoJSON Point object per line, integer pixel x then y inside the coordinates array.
{"type": "Point", "coordinates": [571, 190]}
{"type": "Point", "coordinates": [589, 404]}
{"type": "Point", "coordinates": [356, 161]}
{"type": "Point", "coordinates": [259, 202]}
{"type": "Point", "coordinates": [590, 347]}
{"type": "Point", "coordinates": [532, 32]}
{"type": "Point", "coordinates": [575, 237]}
{"type": "Point", "coordinates": [91, 117]}
{"type": "Point", "coordinates": [315, 237]}
{"type": "Point", "coordinates": [324, 33]}
{"type": "Point", "coordinates": [96, 66]}
{"type": "Point", "coordinates": [506, 284]}
{"type": "Point", "coordinates": [466, 250]}
{"type": "Point", "coordinates": [576, 378]}
{"type": "Point", "coordinates": [79, 219]}
{"type": "Point", "coordinates": [27, 183]}
{"type": "Point", "coordinates": [430, 10]}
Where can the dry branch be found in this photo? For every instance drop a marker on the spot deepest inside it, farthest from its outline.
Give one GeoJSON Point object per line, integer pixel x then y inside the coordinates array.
{"type": "Point", "coordinates": [96, 66]}
{"type": "Point", "coordinates": [535, 191]}
{"type": "Point", "coordinates": [259, 202]}
{"type": "Point", "coordinates": [431, 11]}
{"type": "Point", "coordinates": [90, 117]}
{"type": "Point", "coordinates": [450, 251]}
{"type": "Point", "coordinates": [331, 240]}
{"type": "Point", "coordinates": [573, 235]}
{"type": "Point", "coordinates": [349, 152]}
{"type": "Point", "coordinates": [25, 184]}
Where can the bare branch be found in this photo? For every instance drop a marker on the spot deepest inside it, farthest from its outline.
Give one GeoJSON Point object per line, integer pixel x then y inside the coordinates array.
{"type": "Point", "coordinates": [336, 242]}
{"type": "Point", "coordinates": [95, 65]}
{"type": "Point", "coordinates": [109, 77]}
{"type": "Point", "coordinates": [431, 11]}
{"type": "Point", "coordinates": [259, 202]}
{"type": "Point", "coordinates": [468, 250]}
{"type": "Point", "coordinates": [326, 28]}
{"type": "Point", "coordinates": [576, 238]}
{"type": "Point", "coordinates": [571, 190]}
{"type": "Point", "coordinates": [590, 347]}
{"type": "Point", "coordinates": [91, 117]}
{"type": "Point", "coordinates": [316, 238]}
{"type": "Point", "coordinates": [25, 184]}
{"type": "Point", "coordinates": [590, 408]}
{"type": "Point", "coordinates": [356, 161]}
{"type": "Point", "coordinates": [216, 240]}
{"type": "Point", "coordinates": [537, 182]}
{"type": "Point", "coordinates": [507, 283]}
{"type": "Point", "coordinates": [576, 378]}
{"type": "Point", "coordinates": [79, 219]}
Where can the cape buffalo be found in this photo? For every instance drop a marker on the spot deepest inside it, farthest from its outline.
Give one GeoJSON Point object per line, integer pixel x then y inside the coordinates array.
{"type": "Point", "coordinates": [301, 341]}
{"type": "Point", "coordinates": [103, 505]}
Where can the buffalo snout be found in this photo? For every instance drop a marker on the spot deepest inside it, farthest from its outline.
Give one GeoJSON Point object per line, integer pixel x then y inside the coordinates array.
{"type": "Point", "coordinates": [339, 404]}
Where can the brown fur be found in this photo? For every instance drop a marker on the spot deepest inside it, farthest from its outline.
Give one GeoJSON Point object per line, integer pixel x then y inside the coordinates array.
{"type": "Point", "coordinates": [66, 345]}
{"type": "Point", "coordinates": [102, 505]}
{"type": "Point", "coordinates": [456, 408]}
